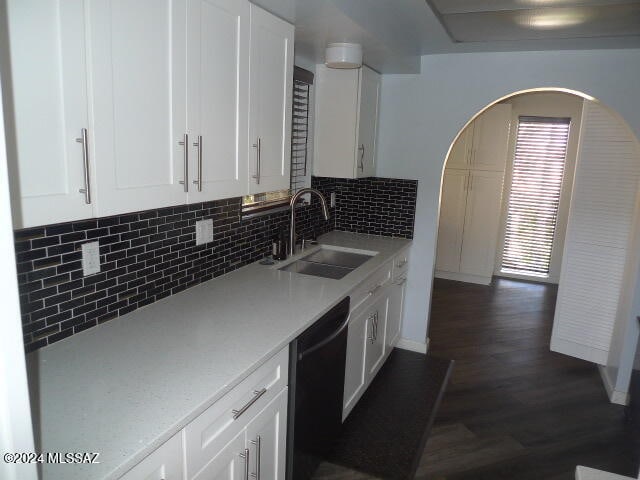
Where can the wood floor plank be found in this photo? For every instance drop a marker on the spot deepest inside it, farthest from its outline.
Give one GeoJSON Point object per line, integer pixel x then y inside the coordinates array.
{"type": "Point", "coordinates": [508, 385]}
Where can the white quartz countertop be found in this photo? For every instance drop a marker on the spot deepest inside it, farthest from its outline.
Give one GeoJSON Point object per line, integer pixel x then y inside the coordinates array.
{"type": "Point", "coordinates": [125, 387]}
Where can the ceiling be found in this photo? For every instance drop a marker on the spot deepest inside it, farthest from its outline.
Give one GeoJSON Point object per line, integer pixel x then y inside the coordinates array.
{"type": "Point", "coordinates": [395, 33]}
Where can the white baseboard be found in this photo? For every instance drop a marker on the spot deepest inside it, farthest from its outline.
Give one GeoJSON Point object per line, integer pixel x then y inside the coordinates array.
{"type": "Point", "coordinates": [463, 277]}
{"type": "Point", "coordinates": [584, 473]}
{"type": "Point", "coordinates": [615, 396]}
{"type": "Point", "coordinates": [413, 346]}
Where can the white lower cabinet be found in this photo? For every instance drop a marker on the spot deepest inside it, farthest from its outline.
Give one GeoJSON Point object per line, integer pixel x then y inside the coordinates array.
{"type": "Point", "coordinates": [266, 438]}
{"type": "Point", "coordinates": [374, 328]}
{"type": "Point", "coordinates": [366, 350]}
{"type": "Point", "coordinates": [257, 451]}
{"type": "Point", "coordinates": [395, 311]}
{"type": "Point", "coordinates": [241, 435]}
{"type": "Point", "coordinates": [165, 463]}
{"type": "Point", "coordinates": [229, 462]}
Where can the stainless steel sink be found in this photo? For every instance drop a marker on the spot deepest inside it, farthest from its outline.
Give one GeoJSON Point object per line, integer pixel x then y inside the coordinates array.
{"type": "Point", "coordinates": [328, 263]}
{"type": "Point", "coordinates": [317, 269]}
{"type": "Point", "coordinates": [339, 258]}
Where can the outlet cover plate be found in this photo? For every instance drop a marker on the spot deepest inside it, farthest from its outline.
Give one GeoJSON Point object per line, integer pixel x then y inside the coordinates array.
{"type": "Point", "coordinates": [204, 231]}
{"type": "Point", "coordinates": [90, 258]}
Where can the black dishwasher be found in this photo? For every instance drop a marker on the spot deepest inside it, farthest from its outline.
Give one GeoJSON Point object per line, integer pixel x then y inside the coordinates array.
{"type": "Point", "coordinates": [316, 384]}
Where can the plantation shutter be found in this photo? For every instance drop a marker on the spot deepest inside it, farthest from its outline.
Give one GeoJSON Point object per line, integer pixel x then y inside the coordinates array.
{"type": "Point", "coordinates": [538, 169]}
{"type": "Point", "coordinates": [599, 229]}
{"type": "Point", "coordinates": [302, 81]}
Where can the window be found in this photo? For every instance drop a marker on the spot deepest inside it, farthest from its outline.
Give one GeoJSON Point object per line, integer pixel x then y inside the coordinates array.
{"type": "Point", "coordinates": [538, 169]}
{"type": "Point", "coordinates": [300, 134]}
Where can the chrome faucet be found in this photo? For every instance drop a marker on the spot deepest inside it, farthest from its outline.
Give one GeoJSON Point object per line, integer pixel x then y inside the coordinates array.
{"type": "Point", "coordinates": [294, 200]}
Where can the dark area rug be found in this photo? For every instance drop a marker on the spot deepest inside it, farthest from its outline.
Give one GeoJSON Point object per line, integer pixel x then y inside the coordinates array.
{"type": "Point", "coordinates": [386, 432]}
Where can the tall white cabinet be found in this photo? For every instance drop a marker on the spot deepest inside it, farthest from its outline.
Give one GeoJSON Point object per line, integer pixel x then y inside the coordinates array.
{"type": "Point", "coordinates": [123, 106]}
{"type": "Point", "coordinates": [472, 197]}
{"type": "Point", "coordinates": [346, 122]}
{"type": "Point", "coordinates": [48, 77]}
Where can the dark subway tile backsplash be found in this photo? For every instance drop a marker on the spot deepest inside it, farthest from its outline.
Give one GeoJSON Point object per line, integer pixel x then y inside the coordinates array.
{"type": "Point", "coordinates": [147, 256]}
{"type": "Point", "coordinates": [377, 206]}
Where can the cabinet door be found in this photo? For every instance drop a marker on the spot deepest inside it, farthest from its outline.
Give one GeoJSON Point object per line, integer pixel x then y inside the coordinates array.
{"type": "Point", "coordinates": [218, 89]}
{"type": "Point", "coordinates": [394, 317]}
{"type": "Point", "coordinates": [230, 463]}
{"type": "Point", "coordinates": [481, 223]}
{"type": "Point", "coordinates": [491, 139]}
{"type": "Point", "coordinates": [138, 102]}
{"type": "Point", "coordinates": [336, 117]}
{"type": "Point", "coordinates": [165, 463]}
{"type": "Point", "coordinates": [452, 212]}
{"type": "Point", "coordinates": [460, 155]}
{"type": "Point", "coordinates": [271, 79]}
{"type": "Point", "coordinates": [367, 122]}
{"type": "Point", "coordinates": [48, 76]}
{"type": "Point", "coordinates": [376, 332]}
{"type": "Point", "coordinates": [266, 440]}
{"type": "Point", "coordinates": [354, 374]}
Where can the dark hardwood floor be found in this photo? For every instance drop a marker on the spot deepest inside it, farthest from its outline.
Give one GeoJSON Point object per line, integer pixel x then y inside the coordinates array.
{"type": "Point", "coordinates": [514, 409]}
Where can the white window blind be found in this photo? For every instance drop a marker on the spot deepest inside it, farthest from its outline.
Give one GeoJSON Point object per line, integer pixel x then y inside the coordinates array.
{"type": "Point", "coordinates": [299, 134]}
{"type": "Point", "coordinates": [538, 168]}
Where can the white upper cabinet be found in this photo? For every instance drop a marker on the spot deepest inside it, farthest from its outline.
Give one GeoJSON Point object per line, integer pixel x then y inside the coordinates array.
{"type": "Point", "coordinates": [368, 122]}
{"type": "Point", "coordinates": [460, 156]}
{"type": "Point", "coordinates": [123, 106]}
{"type": "Point", "coordinates": [217, 98]}
{"type": "Point", "coordinates": [270, 96]}
{"type": "Point", "coordinates": [48, 81]}
{"type": "Point", "coordinates": [137, 78]}
{"type": "Point", "coordinates": [346, 122]}
{"type": "Point", "coordinates": [491, 139]}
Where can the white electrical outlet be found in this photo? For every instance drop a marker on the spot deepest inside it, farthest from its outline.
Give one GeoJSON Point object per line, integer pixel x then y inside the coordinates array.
{"type": "Point", "coordinates": [333, 199]}
{"type": "Point", "coordinates": [90, 258]}
{"type": "Point", "coordinates": [204, 231]}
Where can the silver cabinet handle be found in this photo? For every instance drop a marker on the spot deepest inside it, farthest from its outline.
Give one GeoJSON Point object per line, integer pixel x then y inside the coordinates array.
{"type": "Point", "coordinates": [375, 289]}
{"type": "Point", "coordinates": [375, 324]}
{"type": "Point", "coordinates": [85, 161]}
{"type": "Point", "coordinates": [199, 180]}
{"type": "Point", "coordinates": [256, 395]}
{"type": "Point", "coordinates": [402, 281]}
{"type": "Point", "coordinates": [371, 337]}
{"type": "Point", "coordinates": [402, 263]}
{"type": "Point", "coordinates": [258, 147]}
{"type": "Point", "coordinates": [361, 148]}
{"type": "Point", "coordinates": [258, 443]}
{"type": "Point", "coordinates": [245, 456]}
{"type": "Point", "coordinates": [185, 159]}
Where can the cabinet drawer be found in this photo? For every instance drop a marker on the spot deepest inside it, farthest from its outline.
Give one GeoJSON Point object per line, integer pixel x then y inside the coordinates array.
{"type": "Point", "coordinates": [401, 264]}
{"type": "Point", "coordinates": [211, 431]}
{"type": "Point", "coordinates": [164, 463]}
{"type": "Point", "coordinates": [371, 286]}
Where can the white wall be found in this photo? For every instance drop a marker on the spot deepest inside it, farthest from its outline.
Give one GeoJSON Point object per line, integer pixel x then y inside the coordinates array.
{"type": "Point", "coordinates": [422, 114]}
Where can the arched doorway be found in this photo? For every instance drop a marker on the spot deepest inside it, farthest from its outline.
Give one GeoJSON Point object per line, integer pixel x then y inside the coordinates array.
{"type": "Point", "coordinates": [500, 334]}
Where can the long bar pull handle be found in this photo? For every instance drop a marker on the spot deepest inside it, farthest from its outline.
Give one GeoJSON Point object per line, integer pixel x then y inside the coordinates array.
{"type": "Point", "coordinates": [372, 336]}
{"type": "Point", "coordinates": [256, 395]}
{"type": "Point", "coordinates": [85, 161]}
{"type": "Point", "coordinates": [185, 159]}
{"type": "Point", "coordinates": [258, 443]}
{"type": "Point", "coordinates": [245, 456]}
{"type": "Point", "coordinates": [361, 148]}
{"type": "Point", "coordinates": [258, 147]}
{"type": "Point", "coordinates": [199, 180]}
